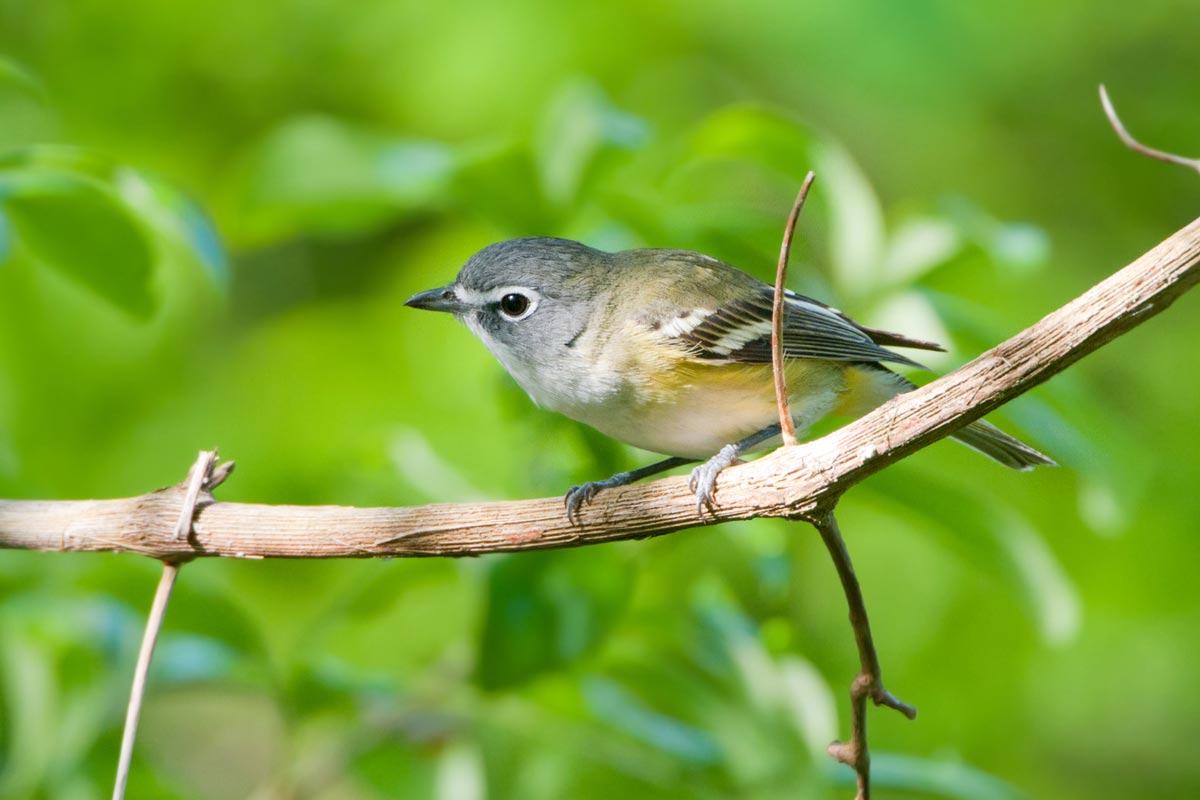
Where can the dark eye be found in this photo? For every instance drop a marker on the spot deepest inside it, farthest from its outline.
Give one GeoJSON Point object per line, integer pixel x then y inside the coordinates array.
{"type": "Point", "coordinates": [513, 304]}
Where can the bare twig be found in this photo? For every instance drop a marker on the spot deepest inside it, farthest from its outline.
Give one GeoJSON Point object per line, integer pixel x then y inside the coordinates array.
{"type": "Point", "coordinates": [869, 681]}
{"type": "Point", "coordinates": [1134, 144]}
{"type": "Point", "coordinates": [787, 429]}
{"type": "Point", "coordinates": [195, 483]}
{"type": "Point", "coordinates": [153, 625]}
{"type": "Point", "coordinates": [201, 478]}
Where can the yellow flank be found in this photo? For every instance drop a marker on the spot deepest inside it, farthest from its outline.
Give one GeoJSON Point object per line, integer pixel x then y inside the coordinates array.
{"type": "Point", "coordinates": [667, 401]}
{"type": "Point", "coordinates": [865, 389]}
{"type": "Point", "coordinates": [752, 380]}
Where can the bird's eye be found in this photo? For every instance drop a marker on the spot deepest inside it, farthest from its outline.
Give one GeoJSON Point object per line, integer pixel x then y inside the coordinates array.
{"type": "Point", "coordinates": [514, 305]}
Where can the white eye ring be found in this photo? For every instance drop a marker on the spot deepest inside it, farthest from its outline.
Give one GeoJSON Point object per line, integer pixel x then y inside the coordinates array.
{"type": "Point", "coordinates": [515, 304]}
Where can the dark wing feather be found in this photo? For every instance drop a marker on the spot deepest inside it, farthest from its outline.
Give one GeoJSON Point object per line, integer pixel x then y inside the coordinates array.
{"type": "Point", "coordinates": [881, 337]}
{"type": "Point", "coordinates": [890, 339]}
{"type": "Point", "coordinates": [740, 331]}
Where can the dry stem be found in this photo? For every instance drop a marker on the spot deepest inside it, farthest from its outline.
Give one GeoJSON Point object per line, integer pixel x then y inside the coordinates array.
{"type": "Point", "coordinates": [869, 681]}
{"type": "Point", "coordinates": [1134, 144]}
{"type": "Point", "coordinates": [201, 478]}
{"type": "Point", "coordinates": [787, 429]}
{"type": "Point", "coordinates": [149, 639]}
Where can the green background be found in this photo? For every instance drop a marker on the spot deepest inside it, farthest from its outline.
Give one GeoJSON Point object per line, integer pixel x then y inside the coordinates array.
{"type": "Point", "coordinates": [212, 212]}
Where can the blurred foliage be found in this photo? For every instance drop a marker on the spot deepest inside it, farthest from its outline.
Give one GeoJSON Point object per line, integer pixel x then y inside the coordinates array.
{"type": "Point", "coordinates": [211, 213]}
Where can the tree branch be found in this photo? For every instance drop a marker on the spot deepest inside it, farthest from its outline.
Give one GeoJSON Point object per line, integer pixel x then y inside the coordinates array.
{"type": "Point", "coordinates": [791, 482]}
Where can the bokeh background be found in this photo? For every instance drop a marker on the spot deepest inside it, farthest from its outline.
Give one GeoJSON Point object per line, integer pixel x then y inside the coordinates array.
{"type": "Point", "coordinates": [212, 212]}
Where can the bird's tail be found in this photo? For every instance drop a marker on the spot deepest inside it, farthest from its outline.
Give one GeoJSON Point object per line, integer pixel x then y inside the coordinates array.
{"type": "Point", "coordinates": [986, 438]}
{"type": "Point", "coordinates": [882, 384]}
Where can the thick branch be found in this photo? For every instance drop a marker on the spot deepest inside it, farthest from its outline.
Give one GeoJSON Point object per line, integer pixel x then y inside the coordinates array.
{"type": "Point", "coordinates": [793, 481]}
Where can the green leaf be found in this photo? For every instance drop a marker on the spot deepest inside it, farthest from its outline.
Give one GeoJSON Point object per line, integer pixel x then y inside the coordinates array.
{"type": "Point", "coordinates": [857, 235]}
{"type": "Point", "coordinates": [748, 133]}
{"type": "Point", "coordinates": [735, 182]}
{"type": "Point", "coordinates": [205, 241]}
{"type": "Point", "coordinates": [59, 158]}
{"type": "Point", "coordinates": [175, 739]}
{"type": "Point", "coordinates": [174, 215]}
{"type": "Point", "coordinates": [502, 184]}
{"type": "Point", "coordinates": [25, 115]}
{"type": "Point", "coordinates": [619, 707]}
{"type": "Point", "coordinates": [323, 175]}
{"type": "Point", "coordinates": [917, 246]}
{"type": "Point", "coordinates": [997, 539]}
{"type": "Point", "coordinates": [16, 76]}
{"type": "Point", "coordinates": [160, 208]}
{"type": "Point", "coordinates": [80, 228]}
{"type": "Point", "coordinates": [30, 695]}
{"type": "Point", "coordinates": [460, 772]}
{"type": "Point", "coordinates": [5, 237]}
{"type": "Point", "coordinates": [1014, 246]}
{"type": "Point", "coordinates": [184, 658]}
{"type": "Point", "coordinates": [949, 779]}
{"type": "Point", "coordinates": [581, 128]}
{"type": "Point", "coordinates": [546, 610]}
{"type": "Point", "coordinates": [742, 166]}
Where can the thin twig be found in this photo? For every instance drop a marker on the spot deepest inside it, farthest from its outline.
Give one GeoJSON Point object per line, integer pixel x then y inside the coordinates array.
{"type": "Point", "coordinates": [787, 429]}
{"type": "Point", "coordinates": [869, 681]}
{"type": "Point", "coordinates": [202, 477]}
{"type": "Point", "coordinates": [1134, 144]}
{"type": "Point", "coordinates": [197, 476]}
{"type": "Point", "coordinates": [138, 690]}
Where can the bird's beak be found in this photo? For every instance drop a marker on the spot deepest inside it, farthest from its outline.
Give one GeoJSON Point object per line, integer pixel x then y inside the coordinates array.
{"type": "Point", "coordinates": [443, 299]}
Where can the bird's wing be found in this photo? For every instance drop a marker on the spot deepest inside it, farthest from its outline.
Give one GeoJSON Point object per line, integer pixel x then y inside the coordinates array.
{"type": "Point", "coordinates": [739, 331]}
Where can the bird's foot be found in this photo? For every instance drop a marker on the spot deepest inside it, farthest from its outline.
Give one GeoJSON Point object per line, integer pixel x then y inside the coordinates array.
{"type": "Point", "coordinates": [704, 477]}
{"type": "Point", "coordinates": [583, 493]}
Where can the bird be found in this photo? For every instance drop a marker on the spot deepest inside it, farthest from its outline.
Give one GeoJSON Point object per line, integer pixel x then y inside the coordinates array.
{"type": "Point", "coordinates": [670, 351]}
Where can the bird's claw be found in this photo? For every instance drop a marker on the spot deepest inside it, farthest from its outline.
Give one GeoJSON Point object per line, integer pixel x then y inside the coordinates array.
{"type": "Point", "coordinates": [703, 481]}
{"type": "Point", "coordinates": [703, 484]}
{"type": "Point", "coordinates": [578, 495]}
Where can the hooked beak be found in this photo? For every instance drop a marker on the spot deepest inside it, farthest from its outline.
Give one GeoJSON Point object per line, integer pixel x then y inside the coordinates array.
{"type": "Point", "coordinates": [443, 299]}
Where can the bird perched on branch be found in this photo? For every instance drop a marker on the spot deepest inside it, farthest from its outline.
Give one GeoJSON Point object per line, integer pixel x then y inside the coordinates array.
{"type": "Point", "coordinates": [670, 351]}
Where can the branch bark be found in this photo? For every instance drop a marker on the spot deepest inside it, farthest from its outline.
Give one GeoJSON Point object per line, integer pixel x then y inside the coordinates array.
{"type": "Point", "coordinates": [795, 482]}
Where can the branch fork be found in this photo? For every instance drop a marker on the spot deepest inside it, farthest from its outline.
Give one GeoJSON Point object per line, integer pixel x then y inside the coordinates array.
{"type": "Point", "coordinates": [204, 476]}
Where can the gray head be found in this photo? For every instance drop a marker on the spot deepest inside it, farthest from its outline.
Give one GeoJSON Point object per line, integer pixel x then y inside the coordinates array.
{"type": "Point", "coordinates": [526, 299]}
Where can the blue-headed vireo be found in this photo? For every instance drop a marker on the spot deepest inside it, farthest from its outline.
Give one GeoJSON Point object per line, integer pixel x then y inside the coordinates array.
{"type": "Point", "coordinates": [670, 351]}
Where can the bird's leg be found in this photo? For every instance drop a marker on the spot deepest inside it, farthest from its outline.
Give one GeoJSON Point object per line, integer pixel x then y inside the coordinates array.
{"type": "Point", "coordinates": [578, 495]}
{"type": "Point", "coordinates": [704, 477]}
